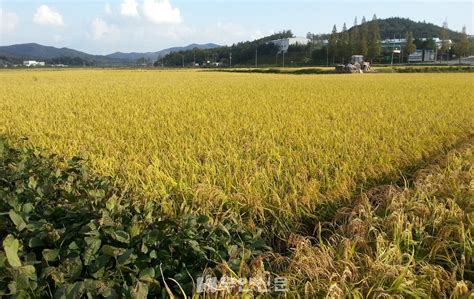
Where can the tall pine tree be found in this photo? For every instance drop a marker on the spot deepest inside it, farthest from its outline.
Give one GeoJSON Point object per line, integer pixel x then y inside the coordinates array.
{"type": "Point", "coordinates": [343, 44]}
{"type": "Point", "coordinates": [445, 44]}
{"type": "Point", "coordinates": [354, 38]}
{"type": "Point", "coordinates": [363, 40]}
{"type": "Point", "coordinates": [333, 44]}
{"type": "Point", "coordinates": [374, 40]}
{"type": "Point", "coordinates": [410, 47]}
{"type": "Point", "coordinates": [462, 45]}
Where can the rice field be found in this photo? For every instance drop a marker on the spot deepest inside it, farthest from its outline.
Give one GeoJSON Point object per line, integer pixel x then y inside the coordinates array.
{"type": "Point", "coordinates": [264, 146]}
{"type": "Point", "coordinates": [346, 177]}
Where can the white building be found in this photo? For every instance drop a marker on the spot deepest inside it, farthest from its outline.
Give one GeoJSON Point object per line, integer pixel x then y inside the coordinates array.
{"type": "Point", "coordinates": [284, 43]}
{"type": "Point", "coordinates": [416, 57]}
{"type": "Point", "coordinates": [396, 43]}
{"type": "Point", "coordinates": [439, 42]}
{"type": "Point", "coordinates": [30, 63]}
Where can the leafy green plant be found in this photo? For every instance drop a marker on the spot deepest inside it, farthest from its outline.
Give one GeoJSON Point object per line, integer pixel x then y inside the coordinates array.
{"type": "Point", "coordinates": [66, 233]}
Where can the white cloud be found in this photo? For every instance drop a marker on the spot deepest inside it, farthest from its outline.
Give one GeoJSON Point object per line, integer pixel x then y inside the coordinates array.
{"type": "Point", "coordinates": [8, 21]}
{"type": "Point", "coordinates": [101, 30]}
{"type": "Point", "coordinates": [229, 33]}
{"type": "Point", "coordinates": [108, 9]}
{"type": "Point", "coordinates": [47, 16]}
{"type": "Point", "coordinates": [129, 8]}
{"type": "Point", "coordinates": [154, 11]}
{"type": "Point", "coordinates": [161, 12]}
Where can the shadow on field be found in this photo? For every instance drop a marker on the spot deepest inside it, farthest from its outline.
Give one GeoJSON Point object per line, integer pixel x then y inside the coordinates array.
{"type": "Point", "coordinates": [402, 178]}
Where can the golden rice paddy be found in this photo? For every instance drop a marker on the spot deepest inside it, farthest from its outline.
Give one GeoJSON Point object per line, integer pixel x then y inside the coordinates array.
{"type": "Point", "coordinates": [258, 144]}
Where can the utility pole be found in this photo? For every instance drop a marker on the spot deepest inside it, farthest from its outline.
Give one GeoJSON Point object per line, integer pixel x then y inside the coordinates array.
{"type": "Point", "coordinates": [327, 55]}
{"type": "Point", "coordinates": [256, 58]}
{"type": "Point", "coordinates": [230, 59]}
{"type": "Point", "coordinates": [194, 58]}
{"type": "Point", "coordinates": [401, 50]}
{"type": "Point", "coordinates": [283, 58]}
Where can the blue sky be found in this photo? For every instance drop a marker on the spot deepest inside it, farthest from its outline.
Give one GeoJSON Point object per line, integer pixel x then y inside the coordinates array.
{"type": "Point", "coordinates": [102, 27]}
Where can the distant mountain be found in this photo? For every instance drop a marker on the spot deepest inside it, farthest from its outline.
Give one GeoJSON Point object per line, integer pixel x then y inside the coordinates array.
{"type": "Point", "coordinates": [32, 51]}
{"type": "Point", "coordinates": [398, 27]}
{"type": "Point", "coordinates": [155, 55]}
{"type": "Point", "coordinates": [36, 51]}
{"type": "Point", "coordinates": [65, 55]}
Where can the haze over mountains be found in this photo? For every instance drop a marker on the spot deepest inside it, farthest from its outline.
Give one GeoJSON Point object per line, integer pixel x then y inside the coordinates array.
{"type": "Point", "coordinates": [41, 52]}
{"type": "Point", "coordinates": [155, 55]}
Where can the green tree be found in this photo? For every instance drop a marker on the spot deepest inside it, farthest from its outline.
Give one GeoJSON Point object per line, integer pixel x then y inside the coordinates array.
{"type": "Point", "coordinates": [471, 46]}
{"type": "Point", "coordinates": [333, 44]}
{"type": "Point", "coordinates": [445, 44]}
{"type": "Point", "coordinates": [343, 44]}
{"type": "Point", "coordinates": [410, 47]}
{"type": "Point", "coordinates": [462, 45]}
{"type": "Point", "coordinates": [354, 38]}
{"type": "Point", "coordinates": [363, 40]}
{"type": "Point", "coordinates": [374, 40]}
{"type": "Point", "coordinates": [429, 44]}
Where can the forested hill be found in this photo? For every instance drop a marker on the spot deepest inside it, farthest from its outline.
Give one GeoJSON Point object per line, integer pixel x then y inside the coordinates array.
{"type": "Point", "coordinates": [398, 27]}
{"type": "Point", "coordinates": [243, 54]}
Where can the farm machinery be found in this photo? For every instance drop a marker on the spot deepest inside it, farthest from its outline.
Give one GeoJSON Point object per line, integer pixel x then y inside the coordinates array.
{"type": "Point", "coordinates": [356, 65]}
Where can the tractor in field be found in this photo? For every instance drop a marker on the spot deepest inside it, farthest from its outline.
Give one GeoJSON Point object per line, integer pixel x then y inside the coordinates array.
{"type": "Point", "coordinates": [357, 65]}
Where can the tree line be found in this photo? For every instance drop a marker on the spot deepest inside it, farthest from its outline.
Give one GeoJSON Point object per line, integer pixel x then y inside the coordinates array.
{"type": "Point", "coordinates": [364, 38]}
{"type": "Point", "coordinates": [239, 54]}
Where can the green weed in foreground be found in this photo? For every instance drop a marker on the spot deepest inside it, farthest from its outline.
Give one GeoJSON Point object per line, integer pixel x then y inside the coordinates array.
{"type": "Point", "coordinates": [66, 233]}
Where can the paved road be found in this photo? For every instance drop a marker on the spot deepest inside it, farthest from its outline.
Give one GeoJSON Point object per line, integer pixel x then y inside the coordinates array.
{"type": "Point", "coordinates": [466, 60]}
